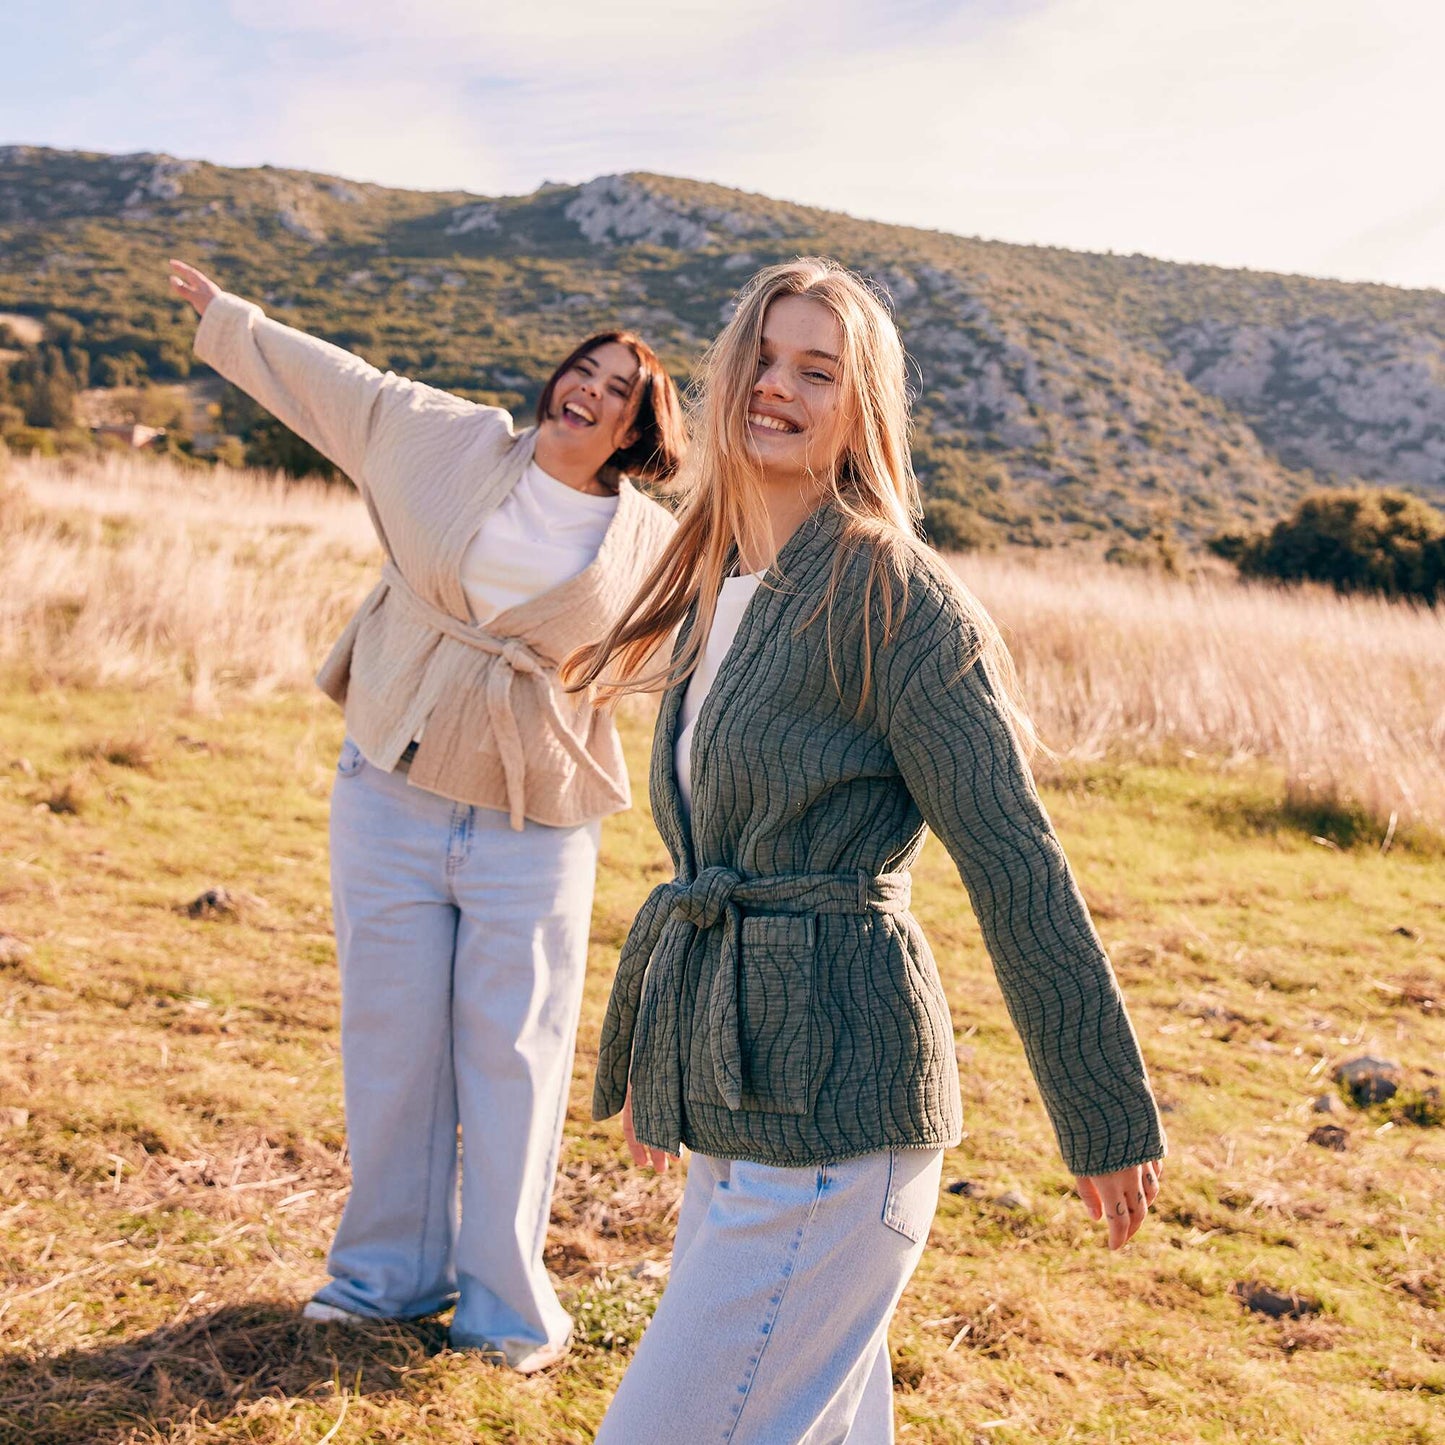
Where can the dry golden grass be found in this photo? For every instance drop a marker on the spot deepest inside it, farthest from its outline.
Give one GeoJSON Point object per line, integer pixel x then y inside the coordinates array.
{"type": "Point", "coordinates": [1346, 694]}
{"type": "Point", "coordinates": [131, 571]}
{"type": "Point", "coordinates": [172, 1145]}
{"type": "Point", "coordinates": [171, 1139]}
{"type": "Point", "coordinates": [128, 570]}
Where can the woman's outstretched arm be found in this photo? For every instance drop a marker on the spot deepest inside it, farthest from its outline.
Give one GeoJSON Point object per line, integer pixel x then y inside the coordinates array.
{"type": "Point", "coordinates": [325, 394]}
{"type": "Point", "coordinates": [960, 760]}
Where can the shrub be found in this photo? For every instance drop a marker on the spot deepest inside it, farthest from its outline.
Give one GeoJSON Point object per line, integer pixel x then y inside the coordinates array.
{"type": "Point", "coordinates": [1360, 540]}
{"type": "Point", "coordinates": [31, 441]}
{"type": "Point", "coordinates": [953, 527]}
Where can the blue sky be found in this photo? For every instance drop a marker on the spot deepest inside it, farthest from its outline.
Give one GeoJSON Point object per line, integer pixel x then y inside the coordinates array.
{"type": "Point", "coordinates": [1296, 135]}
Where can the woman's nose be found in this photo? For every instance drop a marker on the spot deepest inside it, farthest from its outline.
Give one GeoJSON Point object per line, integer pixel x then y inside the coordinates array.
{"type": "Point", "coordinates": [770, 383]}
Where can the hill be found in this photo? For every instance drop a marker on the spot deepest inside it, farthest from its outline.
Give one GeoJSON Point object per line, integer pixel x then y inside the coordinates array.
{"type": "Point", "coordinates": [1062, 397]}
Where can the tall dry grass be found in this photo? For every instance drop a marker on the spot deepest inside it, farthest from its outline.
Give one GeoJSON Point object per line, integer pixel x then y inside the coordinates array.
{"type": "Point", "coordinates": [132, 570]}
{"type": "Point", "coordinates": [1346, 694]}
{"type": "Point", "coordinates": [129, 569]}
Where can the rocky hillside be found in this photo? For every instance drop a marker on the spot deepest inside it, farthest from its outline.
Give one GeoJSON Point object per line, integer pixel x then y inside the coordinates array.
{"type": "Point", "coordinates": [1061, 397]}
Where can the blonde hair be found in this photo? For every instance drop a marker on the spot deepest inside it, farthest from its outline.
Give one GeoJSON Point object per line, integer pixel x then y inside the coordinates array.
{"type": "Point", "coordinates": [722, 508]}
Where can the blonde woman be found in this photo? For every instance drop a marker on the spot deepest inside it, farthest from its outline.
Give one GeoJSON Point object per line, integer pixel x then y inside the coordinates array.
{"type": "Point", "coordinates": [833, 690]}
{"type": "Point", "coordinates": [465, 814]}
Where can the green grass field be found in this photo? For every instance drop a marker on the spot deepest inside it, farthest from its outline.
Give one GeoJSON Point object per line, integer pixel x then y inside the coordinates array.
{"type": "Point", "coordinates": [172, 1152]}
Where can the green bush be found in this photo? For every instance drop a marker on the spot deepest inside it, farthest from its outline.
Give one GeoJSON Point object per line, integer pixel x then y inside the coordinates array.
{"type": "Point", "coordinates": [953, 527]}
{"type": "Point", "coordinates": [1358, 540]}
{"type": "Point", "coordinates": [31, 441]}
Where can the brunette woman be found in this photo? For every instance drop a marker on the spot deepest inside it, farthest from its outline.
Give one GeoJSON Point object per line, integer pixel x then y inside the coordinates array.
{"type": "Point", "coordinates": [833, 690]}
{"type": "Point", "coordinates": [465, 816]}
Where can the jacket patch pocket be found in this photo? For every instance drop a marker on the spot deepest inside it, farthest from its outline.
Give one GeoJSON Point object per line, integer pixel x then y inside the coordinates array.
{"type": "Point", "coordinates": [775, 1009]}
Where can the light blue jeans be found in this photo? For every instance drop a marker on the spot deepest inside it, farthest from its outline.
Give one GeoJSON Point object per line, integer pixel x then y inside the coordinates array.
{"type": "Point", "coordinates": [773, 1329]}
{"type": "Point", "coordinates": [462, 947]}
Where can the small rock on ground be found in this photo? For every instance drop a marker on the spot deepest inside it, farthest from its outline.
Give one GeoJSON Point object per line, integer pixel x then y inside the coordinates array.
{"type": "Point", "coordinates": [1330, 1136]}
{"type": "Point", "coordinates": [1327, 1104]}
{"type": "Point", "coordinates": [1264, 1299]}
{"type": "Point", "coordinates": [1369, 1080]}
{"type": "Point", "coordinates": [1012, 1199]}
{"type": "Point", "coordinates": [213, 903]}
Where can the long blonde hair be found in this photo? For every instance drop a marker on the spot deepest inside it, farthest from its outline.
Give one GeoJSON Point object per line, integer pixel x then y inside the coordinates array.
{"type": "Point", "coordinates": [723, 513]}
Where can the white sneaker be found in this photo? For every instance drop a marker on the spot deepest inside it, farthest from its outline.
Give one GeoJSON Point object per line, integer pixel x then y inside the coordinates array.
{"type": "Point", "coordinates": [325, 1314]}
{"type": "Point", "coordinates": [543, 1358]}
{"type": "Point", "coordinates": [534, 1361]}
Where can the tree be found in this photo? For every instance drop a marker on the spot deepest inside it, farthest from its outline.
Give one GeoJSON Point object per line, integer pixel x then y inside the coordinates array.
{"type": "Point", "coordinates": [1356, 540]}
{"type": "Point", "coordinates": [51, 399]}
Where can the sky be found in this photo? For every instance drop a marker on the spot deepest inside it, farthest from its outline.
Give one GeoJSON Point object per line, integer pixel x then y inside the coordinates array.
{"type": "Point", "coordinates": [1283, 135]}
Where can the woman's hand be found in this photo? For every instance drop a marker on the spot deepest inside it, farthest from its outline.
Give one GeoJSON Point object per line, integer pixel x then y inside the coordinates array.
{"type": "Point", "coordinates": [641, 1153]}
{"type": "Point", "coordinates": [1123, 1197]}
{"type": "Point", "coordinates": [193, 286]}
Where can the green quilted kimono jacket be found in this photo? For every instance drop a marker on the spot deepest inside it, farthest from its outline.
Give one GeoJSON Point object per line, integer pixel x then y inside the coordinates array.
{"type": "Point", "coordinates": [777, 1001]}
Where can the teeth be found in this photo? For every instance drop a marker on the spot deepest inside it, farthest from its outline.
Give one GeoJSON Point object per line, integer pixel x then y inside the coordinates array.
{"type": "Point", "coordinates": [577, 411]}
{"type": "Point", "coordinates": [771, 422]}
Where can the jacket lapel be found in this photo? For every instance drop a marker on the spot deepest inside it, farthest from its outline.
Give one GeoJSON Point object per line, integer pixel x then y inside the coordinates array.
{"type": "Point", "coordinates": [490, 495]}
{"type": "Point", "coordinates": [667, 811]}
{"type": "Point", "coordinates": [814, 539]}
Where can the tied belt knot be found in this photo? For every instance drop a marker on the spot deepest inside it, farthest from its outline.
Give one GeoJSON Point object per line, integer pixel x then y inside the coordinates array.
{"type": "Point", "coordinates": [645, 994]}
{"type": "Point", "coordinates": [516, 656]}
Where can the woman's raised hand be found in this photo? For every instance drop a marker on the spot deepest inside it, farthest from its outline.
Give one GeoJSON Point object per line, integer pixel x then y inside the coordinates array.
{"type": "Point", "coordinates": [1123, 1198]}
{"type": "Point", "coordinates": [193, 286]}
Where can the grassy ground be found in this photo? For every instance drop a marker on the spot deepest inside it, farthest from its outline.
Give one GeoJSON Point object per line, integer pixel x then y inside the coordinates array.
{"type": "Point", "coordinates": [172, 1156]}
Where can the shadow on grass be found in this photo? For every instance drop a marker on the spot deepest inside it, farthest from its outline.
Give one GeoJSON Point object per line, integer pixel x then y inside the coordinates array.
{"type": "Point", "coordinates": [201, 1371]}
{"type": "Point", "coordinates": [1332, 821]}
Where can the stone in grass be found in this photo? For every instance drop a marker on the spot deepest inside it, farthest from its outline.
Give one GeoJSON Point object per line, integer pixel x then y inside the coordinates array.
{"type": "Point", "coordinates": [1330, 1136]}
{"type": "Point", "coordinates": [1327, 1104]}
{"type": "Point", "coordinates": [12, 950]}
{"type": "Point", "coordinates": [1369, 1080]}
{"type": "Point", "coordinates": [965, 1187]}
{"type": "Point", "coordinates": [1012, 1199]}
{"type": "Point", "coordinates": [213, 903]}
{"type": "Point", "coordinates": [1264, 1299]}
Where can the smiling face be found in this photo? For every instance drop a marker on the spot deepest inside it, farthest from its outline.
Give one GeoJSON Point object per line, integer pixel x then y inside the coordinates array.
{"type": "Point", "coordinates": [798, 418]}
{"type": "Point", "coordinates": [593, 403]}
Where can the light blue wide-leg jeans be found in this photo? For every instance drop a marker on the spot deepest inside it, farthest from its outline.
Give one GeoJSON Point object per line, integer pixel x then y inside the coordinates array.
{"type": "Point", "coordinates": [462, 947]}
{"type": "Point", "coordinates": [773, 1329]}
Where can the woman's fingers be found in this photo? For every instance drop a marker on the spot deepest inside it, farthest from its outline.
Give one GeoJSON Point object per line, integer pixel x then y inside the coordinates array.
{"type": "Point", "coordinates": [1151, 1183]}
{"type": "Point", "coordinates": [641, 1153]}
{"type": "Point", "coordinates": [193, 286]}
{"type": "Point", "coordinates": [1122, 1199]}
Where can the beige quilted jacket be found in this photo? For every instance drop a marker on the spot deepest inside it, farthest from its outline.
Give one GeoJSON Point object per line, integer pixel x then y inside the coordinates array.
{"type": "Point", "coordinates": [497, 730]}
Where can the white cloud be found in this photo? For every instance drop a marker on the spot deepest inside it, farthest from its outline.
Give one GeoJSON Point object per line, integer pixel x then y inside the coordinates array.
{"type": "Point", "coordinates": [1284, 134]}
{"type": "Point", "coordinates": [1253, 132]}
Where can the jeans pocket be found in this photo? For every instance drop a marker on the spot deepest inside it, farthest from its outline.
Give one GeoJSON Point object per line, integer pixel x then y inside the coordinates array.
{"type": "Point", "coordinates": [912, 1197]}
{"type": "Point", "coordinates": [775, 1008]}
{"type": "Point", "coordinates": [350, 762]}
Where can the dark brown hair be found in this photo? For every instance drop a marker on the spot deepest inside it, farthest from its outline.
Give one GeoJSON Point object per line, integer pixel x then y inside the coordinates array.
{"type": "Point", "coordinates": [661, 434]}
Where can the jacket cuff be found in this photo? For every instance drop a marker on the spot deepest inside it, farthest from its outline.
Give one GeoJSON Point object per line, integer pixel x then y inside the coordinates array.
{"type": "Point", "coordinates": [215, 336]}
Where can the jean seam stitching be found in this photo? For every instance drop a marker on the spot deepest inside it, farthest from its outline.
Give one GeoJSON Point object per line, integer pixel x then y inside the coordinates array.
{"type": "Point", "coordinates": [431, 1159]}
{"type": "Point", "coordinates": [819, 1190]}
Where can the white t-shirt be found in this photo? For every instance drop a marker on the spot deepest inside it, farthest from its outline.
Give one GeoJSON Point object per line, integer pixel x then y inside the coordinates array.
{"type": "Point", "coordinates": [732, 602]}
{"type": "Point", "coordinates": [544, 533]}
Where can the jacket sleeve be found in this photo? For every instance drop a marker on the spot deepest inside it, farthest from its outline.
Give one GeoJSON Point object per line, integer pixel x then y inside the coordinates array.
{"type": "Point", "coordinates": [325, 394]}
{"type": "Point", "coordinates": [959, 758]}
